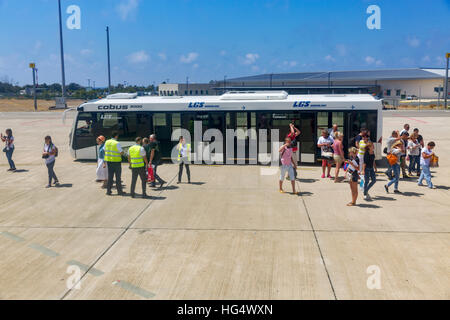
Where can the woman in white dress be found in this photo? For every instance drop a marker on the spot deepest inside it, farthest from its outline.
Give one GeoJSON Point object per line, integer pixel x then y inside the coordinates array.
{"type": "Point", "coordinates": [102, 166]}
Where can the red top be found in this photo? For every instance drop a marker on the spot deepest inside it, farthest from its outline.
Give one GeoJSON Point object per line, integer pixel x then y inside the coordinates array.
{"type": "Point", "coordinates": [292, 136]}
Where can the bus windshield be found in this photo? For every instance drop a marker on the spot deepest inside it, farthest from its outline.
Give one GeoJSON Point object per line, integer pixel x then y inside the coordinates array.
{"type": "Point", "coordinates": [129, 125]}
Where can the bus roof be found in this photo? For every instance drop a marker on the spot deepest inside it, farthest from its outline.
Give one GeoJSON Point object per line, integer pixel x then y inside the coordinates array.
{"type": "Point", "coordinates": [254, 101]}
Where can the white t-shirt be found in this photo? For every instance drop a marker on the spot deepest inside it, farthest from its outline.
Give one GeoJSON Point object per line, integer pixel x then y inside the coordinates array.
{"type": "Point", "coordinates": [323, 140]}
{"type": "Point", "coordinates": [10, 144]}
{"type": "Point", "coordinates": [423, 161]}
{"type": "Point", "coordinates": [51, 158]}
{"type": "Point", "coordinates": [413, 148]}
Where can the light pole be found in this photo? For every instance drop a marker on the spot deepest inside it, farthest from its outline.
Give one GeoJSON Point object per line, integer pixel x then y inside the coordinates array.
{"type": "Point", "coordinates": [109, 60]}
{"type": "Point", "coordinates": [33, 67]}
{"type": "Point", "coordinates": [62, 54]}
{"type": "Point", "coordinates": [446, 82]}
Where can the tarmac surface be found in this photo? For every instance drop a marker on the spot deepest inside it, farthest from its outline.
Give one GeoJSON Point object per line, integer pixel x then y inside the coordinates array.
{"type": "Point", "coordinates": [229, 235]}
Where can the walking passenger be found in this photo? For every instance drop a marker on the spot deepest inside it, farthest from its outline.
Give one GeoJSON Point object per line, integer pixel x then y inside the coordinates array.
{"type": "Point", "coordinates": [338, 154]}
{"type": "Point", "coordinates": [353, 174]}
{"type": "Point", "coordinates": [325, 143]}
{"type": "Point", "coordinates": [155, 160]}
{"type": "Point", "coordinates": [137, 159]}
{"type": "Point", "coordinates": [294, 133]}
{"type": "Point", "coordinates": [422, 145]}
{"type": "Point", "coordinates": [102, 169]}
{"type": "Point", "coordinates": [390, 142]}
{"type": "Point", "coordinates": [113, 158]}
{"type": "Point", "coordinates": [184, 158]}
{"type": "Point", "coordinates": [362, 149]}
{"type": "Point", "coordinates": [404, 135]}
{"type": "Point", "coordinates": [9, 148]}
{"type": "Point", "coordinates": [49, 155]}
{"type": "Point", "coordinates": [413, 154]}
{"type": "Point", "coordinates": [425, 160]}
{"type": "Point", "coordinates": [286, 164]}
{"type": "Point", "coordinates": [368, 171]}
{"type": "Point", "coordinates": [395, 154]}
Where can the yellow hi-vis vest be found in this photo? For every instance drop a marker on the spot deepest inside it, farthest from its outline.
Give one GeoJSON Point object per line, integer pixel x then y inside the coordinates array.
{"type": "Point", "coordinates": [137, 161]}
{"type": "Point", "coordinates": [188, 150]}
{"type": "Point", "coordinates": [112, 153]}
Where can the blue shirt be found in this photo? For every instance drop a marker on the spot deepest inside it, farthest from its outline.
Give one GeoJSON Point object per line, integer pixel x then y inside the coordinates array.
{"type": "Point", "coordinates": [101, 152]}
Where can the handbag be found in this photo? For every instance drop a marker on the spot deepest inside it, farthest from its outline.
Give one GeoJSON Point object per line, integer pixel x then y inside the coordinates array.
{"type": "Point", "coordinates": [151, 174]}
{"type": "Point", "coordinates": [5, 149]}
{"type": "Point", "coordinates": [392, 159]}
{"type": "Point", "coordinates": [434, 162]}
{"type": "Point", "coordinates": [327, 153]}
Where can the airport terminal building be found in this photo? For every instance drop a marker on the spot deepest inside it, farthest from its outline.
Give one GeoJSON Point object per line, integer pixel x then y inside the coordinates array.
{"type": "Point", "coordinates": [392, 85]}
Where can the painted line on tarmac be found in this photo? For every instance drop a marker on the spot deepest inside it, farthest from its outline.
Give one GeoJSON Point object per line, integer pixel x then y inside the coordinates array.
{"type": "Point", "coordinates": [12, 236]}
{"type": "Point", "coordinates": [83, 267]}
{"type": "Point", "coordinates": [132, 288]}
{"type": "Point", "coordinates": [413, 119]}
{"type": "Point", "coordinates": [44, 250]}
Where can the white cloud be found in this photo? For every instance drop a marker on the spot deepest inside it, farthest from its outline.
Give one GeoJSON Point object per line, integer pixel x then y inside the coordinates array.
{"type": "Point", "coordinates": [330, 58]}
{"type": "Point", "coordinates": [372, 60]}
{"type": "Point", "coordinates": [223, 53]}
{"type": "Point", "coordinates": [369, 59]}
{"type": "Point", "coordinates": [86, 52]}
{"type": "Point", "coordinates": [413, 42]}
{"type": "Point", "coordinates": [255, 68]}
{"type": "Point", "coordinates": [127, 8]}
{"type": "Point", "coordinates": [138, 57]}
{"type": "Point", "coordinates": [250, 58]}
{"type": "Point", "coordinates": [162, 56]}
{"type": "Point", "coordinates": [189, 58]}
{"type": "Point", "coordinates": [195, 66]}
{"type": "Point", "coordinates": [290, 63]}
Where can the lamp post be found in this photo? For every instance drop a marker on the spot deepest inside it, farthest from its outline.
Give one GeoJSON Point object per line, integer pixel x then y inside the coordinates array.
{"type": "Point", "coordinates": [33, 67]}
{"type": "Point", "coordinates": [109, 60]}
{"type": "Point", "coordinates": [446, 82]}
{"type": "Point", "coordinates": [62, 54]}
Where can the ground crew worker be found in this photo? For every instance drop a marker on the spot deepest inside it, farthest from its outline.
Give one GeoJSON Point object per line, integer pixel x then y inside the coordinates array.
{"type": "Point", "coordinates": [184, 158]}
{"type": "Point", "coordinates": [137, 157]}
{"type": "Point", "coordinates": [113, 157]}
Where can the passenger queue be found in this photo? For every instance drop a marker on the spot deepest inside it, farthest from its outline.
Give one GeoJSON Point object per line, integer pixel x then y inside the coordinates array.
{"type": "Point", "coordinates": [144, 158]}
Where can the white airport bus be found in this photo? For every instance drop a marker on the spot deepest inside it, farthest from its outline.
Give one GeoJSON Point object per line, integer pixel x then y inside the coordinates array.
{"type": "Point", "coordinates": [132, 115]}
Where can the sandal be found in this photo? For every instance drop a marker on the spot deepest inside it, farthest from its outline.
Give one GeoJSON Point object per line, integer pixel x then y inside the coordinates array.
{"type": "Point", "coordinates": [351, 204]}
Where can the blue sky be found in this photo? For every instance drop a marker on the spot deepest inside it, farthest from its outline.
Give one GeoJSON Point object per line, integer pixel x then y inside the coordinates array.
{"type": "Point", "coordinates": [156, 40]}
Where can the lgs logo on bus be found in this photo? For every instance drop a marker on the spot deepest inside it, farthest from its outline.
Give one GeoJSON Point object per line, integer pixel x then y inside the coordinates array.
{"type": "Point", "coordinates": [196, 105]}
{"type": "Point", "coordinates": [302, 104]}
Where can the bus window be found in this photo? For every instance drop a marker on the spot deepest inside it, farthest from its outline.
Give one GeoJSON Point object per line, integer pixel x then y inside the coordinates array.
{"type": "Point", "coordinates": [364, 119]}
{"type": "Point", "coordinates": [86, 129]}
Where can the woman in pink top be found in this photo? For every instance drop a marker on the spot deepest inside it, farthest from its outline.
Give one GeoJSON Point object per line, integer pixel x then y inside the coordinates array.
{"type": "Point", "coordinates": [338, 150]}
{"type": "Point", "coordinates": [286, 164]}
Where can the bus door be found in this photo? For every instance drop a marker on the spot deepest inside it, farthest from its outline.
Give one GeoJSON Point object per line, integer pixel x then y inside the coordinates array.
{"type": "Point", "coordinates": [307, 138]}
{"type": "Point", "coordinates": [188, 121]}
{"type": "Point", "coordinates": [216, 121]}
{"type": "Point", "coordinates": [326, 120]}
{"type": "Point", "coordinates": [163, 132]}
{"type": "Point", "coordinates": [244, 143]}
